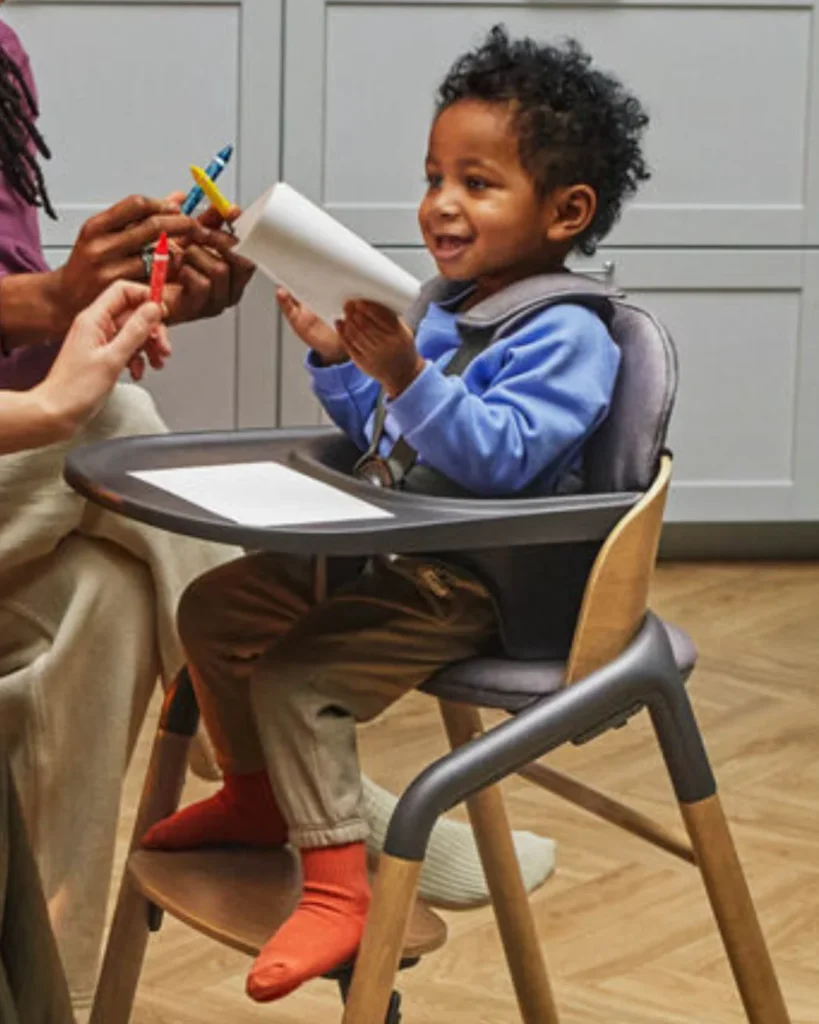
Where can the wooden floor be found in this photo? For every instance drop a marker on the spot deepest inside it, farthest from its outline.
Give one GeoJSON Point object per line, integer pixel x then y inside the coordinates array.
{"type": "Point", "coordinates": [626, 928]}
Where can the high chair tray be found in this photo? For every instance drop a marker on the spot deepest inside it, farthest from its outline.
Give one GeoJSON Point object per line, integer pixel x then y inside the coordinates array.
{"type": "Point", "coordinates": [241, 897]}
{"type": "Point", "coordinates": [418, 522]}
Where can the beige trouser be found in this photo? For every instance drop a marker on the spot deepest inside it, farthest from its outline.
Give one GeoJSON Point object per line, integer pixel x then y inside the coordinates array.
{"type": "Point", "coordinates": [87, 624]}
{"type": "Point", "coordinates": [77, 667]}
{"type": "Point", "coordinates": [38, 509]}
{"type": "Point", "coordinates": [32, 985]}
{"type": "Point", "coordinates": [282, 680]}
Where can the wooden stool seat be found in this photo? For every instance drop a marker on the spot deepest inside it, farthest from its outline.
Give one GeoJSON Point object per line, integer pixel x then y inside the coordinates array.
{"type": "Point", "coordinates": [241, 897]}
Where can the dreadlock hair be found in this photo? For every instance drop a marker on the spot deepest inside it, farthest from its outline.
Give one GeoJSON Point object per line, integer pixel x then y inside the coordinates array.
{"type": "Point", "coordinates": [575, 124]}
{"type": "Point", "coordinates": [20, 139]}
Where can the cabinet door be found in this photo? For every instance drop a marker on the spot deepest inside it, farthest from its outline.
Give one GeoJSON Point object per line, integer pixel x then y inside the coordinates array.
{"type": "Point", "coordinates": [131, 93]}
{"type": "Point", "coordinates": [728, 86]}
{"type": "Point", "coordinates": [745, 325]}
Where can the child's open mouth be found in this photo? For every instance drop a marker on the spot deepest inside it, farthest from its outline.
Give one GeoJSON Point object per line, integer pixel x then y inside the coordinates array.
{"type": "Point", "coordinates": [450, 247]}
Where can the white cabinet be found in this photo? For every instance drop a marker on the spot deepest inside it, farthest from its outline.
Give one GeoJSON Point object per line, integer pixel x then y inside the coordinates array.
{"type": "Point", "coordinates": [728, 86]}
{"type": "Point", "coordinates": [132, 93]}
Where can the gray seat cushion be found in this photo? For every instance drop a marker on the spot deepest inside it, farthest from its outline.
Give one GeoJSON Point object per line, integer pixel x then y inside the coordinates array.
{"type": "Point", "coordinates": [512, 685]}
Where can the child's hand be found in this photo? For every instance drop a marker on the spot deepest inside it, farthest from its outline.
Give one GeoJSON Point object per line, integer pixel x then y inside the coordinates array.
{"type": "Point", "coordinates": [381, 345]}
{"type": "Point", "coordinates": [312, 330]}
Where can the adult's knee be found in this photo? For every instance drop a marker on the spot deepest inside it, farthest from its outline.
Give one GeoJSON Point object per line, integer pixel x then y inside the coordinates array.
{"type": "Point", "coordinates": [130, 411]}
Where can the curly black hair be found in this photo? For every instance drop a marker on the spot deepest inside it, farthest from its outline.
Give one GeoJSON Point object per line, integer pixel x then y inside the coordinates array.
{"type": "Point", "coordinates": [20, 139]}
{"type": "Point", "coordinates": [575, 124]}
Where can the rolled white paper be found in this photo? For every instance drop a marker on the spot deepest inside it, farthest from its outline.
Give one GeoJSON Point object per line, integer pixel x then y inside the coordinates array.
{"type": "Point", "coordinates": [321, 262]}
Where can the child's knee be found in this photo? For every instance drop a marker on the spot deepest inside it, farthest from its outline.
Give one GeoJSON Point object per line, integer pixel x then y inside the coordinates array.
{"type": "Point", "coordinates": [279, 675]}
{"type": "Point", "coordinates": [286, 686]}
{"type": "Point", "coordinates": [296, 683]}
{"type": "Point", "coordinates": [198, 614]}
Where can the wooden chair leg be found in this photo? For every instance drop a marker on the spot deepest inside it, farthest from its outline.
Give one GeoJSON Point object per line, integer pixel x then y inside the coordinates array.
{"type": "Point", "coordinates": [735, 913]}
{"type": "Point", "coordinates": [380, 952]}
{"type": "Point", "coordinates": [128, 938]}
{"type": "Point", "coordinates": [509, 898]}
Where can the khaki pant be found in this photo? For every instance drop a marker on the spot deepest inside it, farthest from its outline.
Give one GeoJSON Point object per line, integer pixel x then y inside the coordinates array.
{"type": "Point", "coordinates": [38, 510]}
{"type": "Point", "coordinates": [32, 986]}
{"type": "Point", "coordinates": [87, 624]}
{"type": "Point", "coordinates": [282, 680]}
{"type": "Point", "coordinates": [77, 668]}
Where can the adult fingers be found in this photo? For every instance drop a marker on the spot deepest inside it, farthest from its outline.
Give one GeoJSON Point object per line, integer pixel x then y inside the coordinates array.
{"type": "Point", "coordinates": [127, 211]}
{"type": "Point", "coordinates": [135, 331]}
{"type": "Point", "coordinates": [118, 298]}
{"type": "Point", "coordinates": [135, 238]}
{"type": "Point", "coordinates": [216, 270]}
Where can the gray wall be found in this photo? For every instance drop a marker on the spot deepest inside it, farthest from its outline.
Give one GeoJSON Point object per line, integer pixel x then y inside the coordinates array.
{"type": "Point", "coordinates": [336, 96]}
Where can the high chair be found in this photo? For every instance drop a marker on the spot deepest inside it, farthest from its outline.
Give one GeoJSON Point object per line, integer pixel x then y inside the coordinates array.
{"type": "Point", "coordinates": [580, 654]}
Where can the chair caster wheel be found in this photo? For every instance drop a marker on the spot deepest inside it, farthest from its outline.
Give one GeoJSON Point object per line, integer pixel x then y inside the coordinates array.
{"type": "Point", "coordinates": [394, 1011]}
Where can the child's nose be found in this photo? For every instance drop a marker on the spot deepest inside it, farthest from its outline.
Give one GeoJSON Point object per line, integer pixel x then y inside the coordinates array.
{"type": "Point", "coordinates": [446, 203]}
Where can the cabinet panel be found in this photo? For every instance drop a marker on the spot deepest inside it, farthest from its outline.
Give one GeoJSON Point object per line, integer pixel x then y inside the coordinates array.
{"type": "Point", "coordinates": [132, 92]}
{"type": "Point", "coordinates": [359, 100]}
{"type": "Point", "coordinates": [127, 101]}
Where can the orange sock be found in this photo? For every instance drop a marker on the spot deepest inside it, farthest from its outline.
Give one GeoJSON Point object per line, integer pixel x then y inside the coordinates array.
{"type": "Point", "coordinates": [326, 927]}
{"type": "Point", "coordinates": [243, 813]}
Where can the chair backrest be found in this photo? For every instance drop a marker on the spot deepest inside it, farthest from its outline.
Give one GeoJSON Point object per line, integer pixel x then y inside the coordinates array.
{"type": "Point", "coordinates": [540, 590]}
{"type": "Point", "coordinates": [616, 595]}
{"type": "Point", "coordinates": [625, 455]}
{"type": "Point", "coordinates": [625, 452]}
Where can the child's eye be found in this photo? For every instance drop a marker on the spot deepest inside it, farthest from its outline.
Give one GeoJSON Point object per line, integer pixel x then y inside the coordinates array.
{"type": "Point", "coordinates": [477, 184]}
{"type": "Point", "coordinates": [434, 180]}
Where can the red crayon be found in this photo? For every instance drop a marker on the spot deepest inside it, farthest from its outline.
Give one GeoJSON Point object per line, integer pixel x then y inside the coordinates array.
{"type": "Point", "coordinates": [159, 271]}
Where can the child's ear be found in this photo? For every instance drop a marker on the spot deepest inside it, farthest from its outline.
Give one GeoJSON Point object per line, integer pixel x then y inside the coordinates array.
{"type": "Point", "coordinates": [572, 209]}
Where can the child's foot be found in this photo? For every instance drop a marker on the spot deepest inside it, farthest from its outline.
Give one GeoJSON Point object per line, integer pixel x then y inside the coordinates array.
{"type": "Point", "coordinates": [326, 927]}
{"type": "Point", "coordinates": [243, 813]}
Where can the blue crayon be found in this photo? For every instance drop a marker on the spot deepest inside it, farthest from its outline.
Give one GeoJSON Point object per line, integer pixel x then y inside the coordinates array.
{"type": "Point", "coordinates": [213, 170]}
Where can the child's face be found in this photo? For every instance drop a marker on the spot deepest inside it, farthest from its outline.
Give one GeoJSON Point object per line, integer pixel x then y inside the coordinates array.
{"type": "Point", "coordinates": [482, 217]}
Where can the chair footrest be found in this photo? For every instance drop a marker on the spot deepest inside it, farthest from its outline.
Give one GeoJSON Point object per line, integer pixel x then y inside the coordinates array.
{"type": "Point", "coordinates": [241, 897]}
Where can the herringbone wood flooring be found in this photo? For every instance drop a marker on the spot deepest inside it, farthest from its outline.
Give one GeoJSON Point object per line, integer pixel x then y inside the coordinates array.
{"type": "Point", "coordinates": [626, 928]}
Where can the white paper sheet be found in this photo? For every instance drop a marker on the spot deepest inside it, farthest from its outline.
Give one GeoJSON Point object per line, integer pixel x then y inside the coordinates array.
{"type": "Point", "coordinates": [324, 264]}
{"type": "Point", "coordinates": [261, 494]}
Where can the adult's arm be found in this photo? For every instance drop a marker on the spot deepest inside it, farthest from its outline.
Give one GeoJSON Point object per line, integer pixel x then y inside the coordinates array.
{"type": "Point", "coordinates": [37, 307]}
{"type": "Point", "coordinates": [97, 348]}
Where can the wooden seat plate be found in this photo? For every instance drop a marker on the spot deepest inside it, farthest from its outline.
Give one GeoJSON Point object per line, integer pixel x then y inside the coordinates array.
{"type": "Point", "coordinates": [241, 897]}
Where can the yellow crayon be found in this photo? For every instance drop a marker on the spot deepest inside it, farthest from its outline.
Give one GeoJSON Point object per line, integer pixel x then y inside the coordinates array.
{"type": "Point", "coordinates": [214, 196]}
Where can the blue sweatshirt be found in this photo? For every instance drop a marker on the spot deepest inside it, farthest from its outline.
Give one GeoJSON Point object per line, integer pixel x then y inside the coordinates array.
{"type": "Point", "coordinates": [519, 414]}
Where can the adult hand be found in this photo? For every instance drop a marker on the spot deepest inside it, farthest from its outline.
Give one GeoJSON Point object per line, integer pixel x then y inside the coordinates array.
{"type": "Point", "coordinates": [207, 276]}
{"type": "Point", "coordinates": [380, 344]}
{"type": "Point", "coordinates": [102, 341]}
{"type": "Point", "coordinates": [311, 329]}
{"type": "Point", "coordinates": [109, 248]}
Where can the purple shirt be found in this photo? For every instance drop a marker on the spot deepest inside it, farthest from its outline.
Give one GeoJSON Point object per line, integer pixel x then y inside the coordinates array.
{"type": "Point", "coordinates": [21, 251]}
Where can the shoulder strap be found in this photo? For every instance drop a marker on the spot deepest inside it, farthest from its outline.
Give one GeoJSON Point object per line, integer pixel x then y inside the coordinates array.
{"type": "Point", "coordinates": [403, 455]}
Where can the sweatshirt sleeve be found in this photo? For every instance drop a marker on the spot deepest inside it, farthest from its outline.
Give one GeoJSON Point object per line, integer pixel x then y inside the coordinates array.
{"type": "Point", "coordinates": [552, 389]}
{"type": "Point", "coordinates": [347, 395]}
